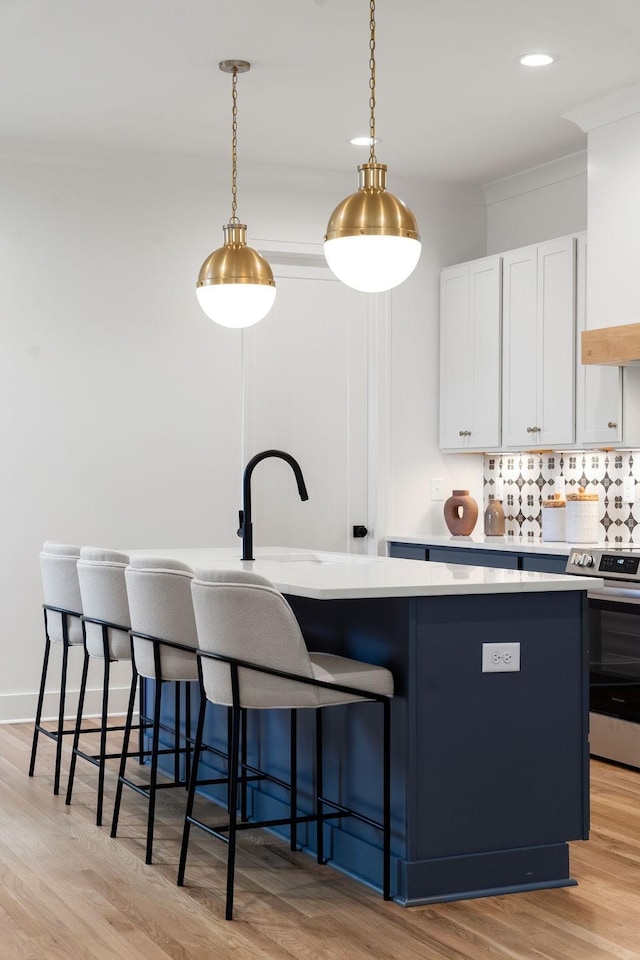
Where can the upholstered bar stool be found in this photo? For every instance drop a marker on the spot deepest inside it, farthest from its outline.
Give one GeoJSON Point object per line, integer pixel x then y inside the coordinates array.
{"type": "Point", "coordinates": [164, 644]}
{"type": "Point", "coordinates": [252, 656]}
{"type": "Point", "coordinates": [106, 623]}
{"type": "Point", "coordinates": [62, 625]}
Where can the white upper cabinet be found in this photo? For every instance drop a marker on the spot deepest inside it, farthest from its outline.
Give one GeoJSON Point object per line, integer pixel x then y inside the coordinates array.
{"type": "Point", "coordinates": [539, 342]}
{"type": "Point", "coordinates": [598, 387]}
{"type": "Point", "coordinates": [470, 364]}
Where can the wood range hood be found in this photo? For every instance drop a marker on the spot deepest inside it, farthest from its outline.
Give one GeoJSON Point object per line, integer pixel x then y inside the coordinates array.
{"type": "Point", "coordinates": [615, 346]}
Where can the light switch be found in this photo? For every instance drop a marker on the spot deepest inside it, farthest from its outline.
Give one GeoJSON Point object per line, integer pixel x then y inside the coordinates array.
{"type": "Point", "coordinates": [438, 489]}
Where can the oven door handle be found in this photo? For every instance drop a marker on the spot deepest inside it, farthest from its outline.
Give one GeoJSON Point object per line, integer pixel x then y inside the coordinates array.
{"type": "Point", "coordinates": [616, 595]}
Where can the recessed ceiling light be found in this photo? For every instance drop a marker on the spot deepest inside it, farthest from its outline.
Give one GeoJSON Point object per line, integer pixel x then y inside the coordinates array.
{"type": "Point", "coordinates": [536, 59]}
{"type": "Point", "coordinates": [364, 141]}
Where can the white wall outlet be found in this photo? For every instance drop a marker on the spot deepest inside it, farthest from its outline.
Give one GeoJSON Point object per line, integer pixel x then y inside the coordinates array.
{"type": "Point", "coordinates": [438, 489]}
{"type": "Point", "coordinates": [629, 490]}
{"type": "Point", "coordinates": [500, 657]}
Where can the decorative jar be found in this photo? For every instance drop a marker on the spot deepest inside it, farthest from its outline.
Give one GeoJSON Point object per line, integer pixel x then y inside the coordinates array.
{"type": "Point", "coordinates": [460, 513]}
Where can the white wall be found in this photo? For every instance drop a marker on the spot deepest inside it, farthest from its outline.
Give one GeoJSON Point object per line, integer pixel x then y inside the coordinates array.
{"type": "Point", "coordinates": [539, 204]}
{"type": "Point", "coordinates": [121, 409]}
{"type": "Point", "coordinates": [452, 232]}
{"type": "Point", "coordinates": [111, 381]}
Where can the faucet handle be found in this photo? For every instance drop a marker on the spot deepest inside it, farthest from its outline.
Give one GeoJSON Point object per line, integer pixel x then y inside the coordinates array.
{"type": "Point", "coordinates": [241, 522]}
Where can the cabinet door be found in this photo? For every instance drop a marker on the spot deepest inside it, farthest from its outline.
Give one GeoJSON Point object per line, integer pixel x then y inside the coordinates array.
{"type": "Point", "coordinates": [470, 330]}
{"type": "Point", "coordinates": [474, 558]}
{"type": "Point", "coordinates": [485, 334]}
{"type": "Point", "coordinates": [598, 387]}
{"type": "Point", "coordinates": [408, 551]}
{"type": "Point", "coordinates": [520, 347]}
{"type": "Point", "coordinates": [556, 342]}
{"type": "Point", "coordinates": [456, 407]}
{"type": "Point", "coordinates": [539, 345]}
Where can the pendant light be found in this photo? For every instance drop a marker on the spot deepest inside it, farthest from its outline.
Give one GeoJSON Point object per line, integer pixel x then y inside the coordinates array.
{"type": "Point", "coordinates": [372, 242]}
{"type": "Point", "coordinates": [235, 286]}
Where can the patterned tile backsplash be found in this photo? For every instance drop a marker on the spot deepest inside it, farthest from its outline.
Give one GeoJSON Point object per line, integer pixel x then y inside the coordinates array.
{"type": "Point", "coordinates": [529, 478]}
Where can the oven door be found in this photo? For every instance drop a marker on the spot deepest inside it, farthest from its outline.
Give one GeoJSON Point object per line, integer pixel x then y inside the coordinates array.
{"type": "Point", "coordinates": [614, 652]}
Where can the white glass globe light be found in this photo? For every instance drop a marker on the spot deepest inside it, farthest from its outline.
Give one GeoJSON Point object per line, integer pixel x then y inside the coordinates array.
{"type": "Point", "coordinates": [236, 305]}
{"type": "Point", "coordinates": [372, 263]}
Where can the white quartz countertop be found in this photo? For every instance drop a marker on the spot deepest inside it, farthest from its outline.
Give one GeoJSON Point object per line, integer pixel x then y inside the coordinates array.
{"type": "Point", "coordinates": [478, 541]}
{"type": "Point", "coordinates": [340, 576]}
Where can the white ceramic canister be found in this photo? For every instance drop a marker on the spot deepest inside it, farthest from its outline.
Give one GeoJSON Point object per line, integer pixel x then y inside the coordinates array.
{"type": "Point", "coordinates": [582, 517]}
{"type": "Point", "coordinates": [553, 518]}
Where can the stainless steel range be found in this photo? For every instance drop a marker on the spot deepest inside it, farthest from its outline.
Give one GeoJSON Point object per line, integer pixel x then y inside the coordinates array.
{"type": "Point", "coordinates": [614, 649]}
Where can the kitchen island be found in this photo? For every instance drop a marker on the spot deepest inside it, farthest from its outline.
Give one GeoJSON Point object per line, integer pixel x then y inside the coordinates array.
{"type": "Point", "coordinates": [489, 769]}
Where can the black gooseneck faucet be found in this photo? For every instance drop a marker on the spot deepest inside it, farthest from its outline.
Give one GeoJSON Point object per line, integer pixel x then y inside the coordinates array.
{"type": "Point", "coordinates": [246, 526]}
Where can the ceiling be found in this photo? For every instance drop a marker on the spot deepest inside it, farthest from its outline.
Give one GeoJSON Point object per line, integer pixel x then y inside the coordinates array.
{"type": "Point", "coordinates": [452, 103]}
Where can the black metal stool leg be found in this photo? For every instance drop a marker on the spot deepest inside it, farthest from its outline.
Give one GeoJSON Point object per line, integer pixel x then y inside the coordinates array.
{"type": "Point", "coordinates": [229, 730]}
{"type": "Point", "coordinates": [193, 780]}
{"type": "Point", "coordinates": [155, 746]}
{"type": "Point", "coordinates": [63, 694]}
{"type": "Point", "coordinates": [293, 837]}
{"type": "Point", "coordinates": [125, 750]}
{"type": "Point", "coordinates": [176, 731]}
{"type": "Point", "coordinates": [76, 735]}
{"type": "Point", "coordinates": [243, 765]}
{"type": "Point", "coordinates": [43, 683]}
{"type": "Point", "coordinates": [142, 705]}
{"type": "Point", "coordinates": [233, 806]}
{"type": "Point", "coordinates": [386, 804]}
{"type": "Point", "coordinates": [187, 732]}
{"type": "Point", "coordinates": [319, 790]}
{"type": "Point", "coordinates": [103, 735]}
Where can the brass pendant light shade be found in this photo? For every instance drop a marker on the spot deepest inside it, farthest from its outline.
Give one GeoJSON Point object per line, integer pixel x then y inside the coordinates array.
{"type": "Point", "coordinates": [235, 286]}
{"type": "Point", "coordinates": [372, 241]}
{"type": "Point", "coordinates": [372, 210]}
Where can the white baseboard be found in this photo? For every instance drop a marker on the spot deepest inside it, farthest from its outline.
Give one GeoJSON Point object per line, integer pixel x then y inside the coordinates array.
{"type": "Point", "coordinates": [21, 707]}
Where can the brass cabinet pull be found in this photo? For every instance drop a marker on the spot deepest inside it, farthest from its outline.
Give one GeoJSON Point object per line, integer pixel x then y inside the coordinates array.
{"type": "Point", "coordinates": [534, 429]}
{"type": "Point", "coordinates": [612, 424]}
{"type": "Point", "coordinates": [464, 433]}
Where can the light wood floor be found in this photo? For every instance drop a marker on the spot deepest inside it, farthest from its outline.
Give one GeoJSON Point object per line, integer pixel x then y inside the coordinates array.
{"type": "Point", "coordinates": [70, 892]}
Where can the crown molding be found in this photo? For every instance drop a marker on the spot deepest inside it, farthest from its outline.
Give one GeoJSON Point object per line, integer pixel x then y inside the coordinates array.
{"type": "Point", "coordinates": [622, 103]}
{"type": "Point", "coordinates": [564, 168]}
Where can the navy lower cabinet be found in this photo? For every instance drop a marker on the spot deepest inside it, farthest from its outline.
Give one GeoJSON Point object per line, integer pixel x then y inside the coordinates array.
{"type": "Point", "coordinates": [472, 556]}
{"type": "Point", "coordinates": [478, 558]}
{"type": "Point", "coordinates": [408, 551]}
{"type": "Point", "coordinates": [548, 564]}
{"type": "Point", "coordinates": [489, 770]}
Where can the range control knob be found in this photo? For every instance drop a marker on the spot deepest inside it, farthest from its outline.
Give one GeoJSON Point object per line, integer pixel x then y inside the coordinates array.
{"type": "Point", "coordinates": [582, 559]}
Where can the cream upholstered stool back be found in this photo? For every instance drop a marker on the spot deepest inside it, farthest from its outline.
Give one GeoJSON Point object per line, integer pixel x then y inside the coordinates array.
{"type": "Point", "coordinates": [159, 592]}
{"type": "Point", "coordinates": [164, 649]}
{"type": "Point", "coordinates": [62, 624]}
{"type": "Point", "coordinates": [104, 601]}
{"type": "Point", "coordinates": [61, 590]}
{"type": "Point", "coordinates": [253, 656]}
{"type": "Point", "coordinates": [106, 625]}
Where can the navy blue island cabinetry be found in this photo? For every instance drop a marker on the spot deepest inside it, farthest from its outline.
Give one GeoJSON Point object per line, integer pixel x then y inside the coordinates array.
{"type": "Point", "coordinates": [489, 769]}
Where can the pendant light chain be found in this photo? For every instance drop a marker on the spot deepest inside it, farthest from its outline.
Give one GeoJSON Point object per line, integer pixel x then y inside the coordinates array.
{"type": "Point", "coordinates": [372, 80]}
{"type": "Point", "coordinates": [234, 147]}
